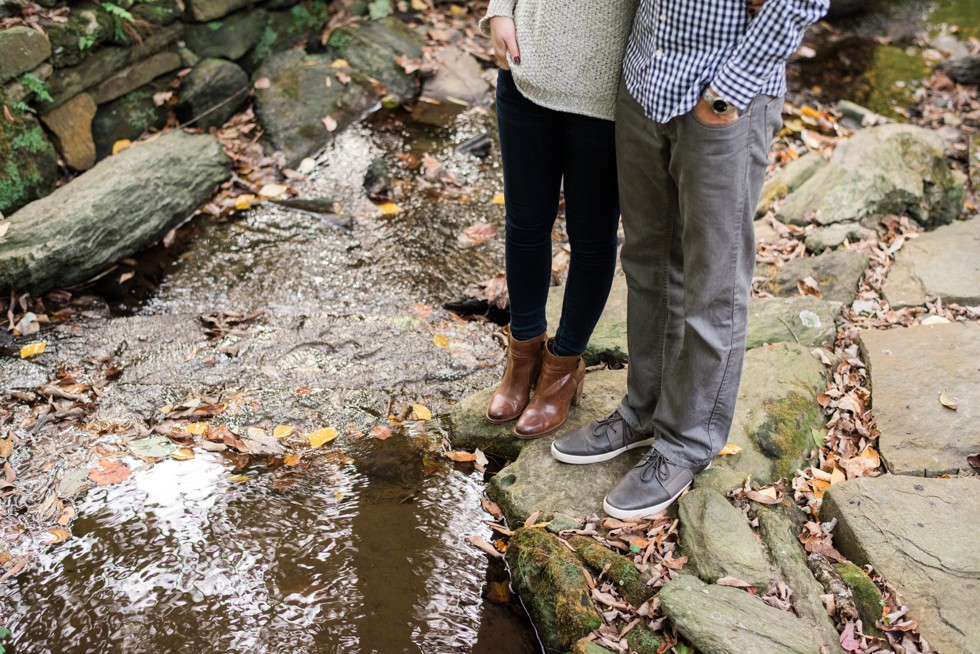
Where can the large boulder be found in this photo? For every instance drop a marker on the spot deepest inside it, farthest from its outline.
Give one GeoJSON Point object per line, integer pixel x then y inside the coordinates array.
{"type": "Point", "coordinates": [293, 105]}
{"type": "Point", "coordinates": [921, 536]}
{"type": "Point", "coordinates": [373, 47]}
{"type": "Point", "coordinates": [910, 369]}
{"type": "Point", "coordinates": [890, 169]}
{"type": "Point", "coordinates": [121, 205]}
{"type": "Point", "coordinates": [212, 93]}
{"type": "Point", "coordinates": [725, 620]}
{"type": "Point", "coordinates": [789, 178]}
{"type": "Point", "coordinates": [229, 38]}
{"type": "Point", "coordinates": [776, 415]}
{"type": "Point", "coordinates": [22, 49]}
{"type": "Point", "coordinates": [28, 163]}
{"type": "Point", "coordinates": [836, 273]}
{"type": "Point", "coordinates": [944, 263]}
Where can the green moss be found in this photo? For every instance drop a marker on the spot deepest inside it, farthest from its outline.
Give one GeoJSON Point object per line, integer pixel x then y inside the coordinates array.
{"type": "Point", "coordinates": [892, 79]}
{"type": "Point", "coordinates": [959, 13]}
{"type": "Point", "coordinates": [642, 640]}
{"type": "Point", "coordinates": [631, 583]}
{"type": "Point", "coordinates": [28, 168]}
{"type": "Point", "coordinates": [785, 435]}
{"type": "Point", "coordinates": [867, 597]}
{"type": "Point", "coordinates": [340, 40]}
{"type": "Point", "coordinates": [265, 46]}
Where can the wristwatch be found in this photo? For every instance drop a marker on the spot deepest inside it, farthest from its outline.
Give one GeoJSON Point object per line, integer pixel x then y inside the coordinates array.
{"type": "Point", "coordinates": [718, 105]}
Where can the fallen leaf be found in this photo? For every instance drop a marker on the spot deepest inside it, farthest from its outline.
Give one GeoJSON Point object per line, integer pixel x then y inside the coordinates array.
{"type": "Point", "coordinates": [381, 432]}
{"type": "Point", "coordinates": [273, 190]}
{"type": "Point", "coordinates": [329, 122]}
{"type": "Point", "coordinates": [492, 508]}
{"type": "Point", "coordinates": [339, 63]}
{"type": "Point", "coordinates": [6, 447]}
{"type": "Point", "coordinates": [244, 202]}
{"type": "Point", "coordinates": [120, 145]}
{"type": "Point", "coordinates": [282, 431]}
{"type": "Point", "coordinates": [292, 460]}
{"type": "Point", "coordinates": [766, 495]}
{"type": "Point", "coordinates": [109, 472]}
{"type": "Point", "coordinates": [809, 286]}
{"type": "Point", "coordinates": [421, 412]}
{"type": "Point", "coordinates": [837, 475]}
{"type": "Point", "coordinates": [321, 436]}
{"type": "Point", "coordinates": [475, 234]}
{"type": "Point", "coordinates": [55, 535]}
{"type": "Point", "coordinates": [32, 349]}
{"type": "Point", "coordinates": [498, 198]}
{"type": "Point", "coordinates": [461, 457]}
{"type": "Point", "coordinates": [730, 448]}
{"type": "Point", "coordinates": [486, 547]}
{"type": "Point", "coordinates": [343, 78]}
{"type": "Point", "coordinates": [183, 454]}
{"type": "Point", "coordinates": [974, 461]}
{"type": "Point", "coordinates": [263, 83]}
{"type": "Point", "coordinates": [439, 340]}
{"type": "Point", "coordinates": [944, 399]}
{"type": "Point", "coordinates": [389, 208]}
{"type": "Point", "coordinates": [733, 582]}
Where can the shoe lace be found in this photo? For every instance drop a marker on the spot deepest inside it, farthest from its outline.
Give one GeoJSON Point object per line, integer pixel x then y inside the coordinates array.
{"type": "Point", "coordinates": [654, 464]}
{"type": "Point", "coordinates": [603, 425]}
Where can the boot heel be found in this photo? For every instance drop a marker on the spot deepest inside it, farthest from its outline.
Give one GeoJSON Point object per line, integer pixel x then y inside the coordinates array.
{"type": "Point", "coordinates": [579, 392]}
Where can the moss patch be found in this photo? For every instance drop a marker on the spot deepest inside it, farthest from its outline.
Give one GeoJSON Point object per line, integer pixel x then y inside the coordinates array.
{"type": "Point", "coordinates": [631, 583]}
{"type": "Point", "coordinates": [28, 165]}
{"type": "Point", "coordinates": [785, 435]}
{"type": "Point", "coordinates": [867, 597]}
{"type": "Point", "coordinates": [959, 13]}
{"type": "Point", "coordinates": [892, 79]}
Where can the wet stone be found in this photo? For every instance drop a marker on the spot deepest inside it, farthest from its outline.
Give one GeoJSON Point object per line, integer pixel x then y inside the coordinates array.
{"type": "Point", "coordinates": [920, 535]}
{"type": "Point", "coordinates": [837, 274]}
{"type": "Point", "coordinates": [456, 85]}
{"type": "Point", "coordinates": [920, 436]}
{"type": "Point", "coordinates": [803, 320]}
{"type": "Point", "coordinates": [886, 170]}
{"type": "Point", "coordinates": [776, 415]}
{"type": "Point", "coordinates": [943, 263]}
{"type": "Point", "coordinates": [211, 93]}
{"type": "Point", "coordinates": [718, 540]}
{"type": "Point", "coordinates": [372, 47]}
{"type": "Point", "coordinates": [725, 620]}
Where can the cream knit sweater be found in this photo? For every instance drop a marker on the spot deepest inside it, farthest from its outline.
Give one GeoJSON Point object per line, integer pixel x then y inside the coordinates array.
{"type": "Point", "coordinates": [571, 51]}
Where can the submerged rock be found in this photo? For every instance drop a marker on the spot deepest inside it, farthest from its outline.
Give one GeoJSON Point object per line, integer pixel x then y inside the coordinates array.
{"type": "Point", "coordinates": [921, 536]}
{"type": "Point", "coordinates": [910, 370]}
{"type": "Point", "coordinates": [944, 263]}
{"type": "Point", "coordinates": [890, 169]}
{"type": "Point", "coordinates": [724, 620]}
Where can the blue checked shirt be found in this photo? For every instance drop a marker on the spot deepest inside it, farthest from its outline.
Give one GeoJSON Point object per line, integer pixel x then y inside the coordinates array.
{"type": "Point", "coordinates": [680, 47]}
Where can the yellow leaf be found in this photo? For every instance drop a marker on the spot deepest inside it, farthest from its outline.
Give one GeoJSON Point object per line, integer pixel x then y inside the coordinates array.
{"type": "Point", "coordinates": [121, 145]}
{"type": "Point", "coordinates": [730, 448]}
{"type": "Point", "coordinates": [339, 63]}
{"type": "Point", "coordinates": [30, 350]}
{"type": "Point", "coordinates": [239, 478]}
{"type": "Point", "coordinates": [419, 5]}
{"type": "Point", "coordinates": [321, 436]}
{"type": "Point", "coordinates": [389, 208]}
{"type": "Point", "coordinates": [197, 428]}
{"type": "Point", "coordinates": [498, 198]}
{"type": "Point", "coordinates": [837, 476]}
{"type": "Point", "coordinates": [282, 431]}
{"type": "Point", "coordinates": [183, 454]}
{"type": "Point", "coordinates": [292, 459]}
{"type": "Point", "coordinates": [166, 408]}
{"type": "Point", "coordinates": [819, 487]}
{"type": "Point", "coordinates": [457, 10]}
{"type": "Point", "coordinates": [421, 412]}
{"type": "Point", "coordinates": [244, 202]}
{"type": "Point", "coordinates": [440, 340]}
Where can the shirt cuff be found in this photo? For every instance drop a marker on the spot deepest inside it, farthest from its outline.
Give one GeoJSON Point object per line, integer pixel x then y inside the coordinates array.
{"type": "Point", "coordinates": [496, 8]}
{"type": "Point", "coordinates": [735, 85]}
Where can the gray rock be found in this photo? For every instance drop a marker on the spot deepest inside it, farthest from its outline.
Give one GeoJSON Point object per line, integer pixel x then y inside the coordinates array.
{"type": "Point", "coordinates": [212, 93]}
{"type": "Point", "coordinates": [28, 163]}
{"type": "Point", "coordinates": [608, 342]}
{"type": "Point", "coordinates": [287, 30]}
{"type": "Point", "coordinates": [775, 416]}
{"type": "Point", "coordinates": [604, 389]}
{"type": "Point", "coordinates": [921, 536]}
{"type": "Point", "coordinates": [803, 320]}
{"type": "Point", "coordinates": [858, 115]}
{"type": "Point", "coordinates": [128, 117]}
{"type": "Point", "coordinates": [297, 100]}
{"type": "Point", "coordinates": [964, 70]}
{"type": "Point", "coordinates": [86, 27]}
{"type": "Point", "coordinates": [9, 8]}
{"type": "Point", "coordinates": [909, 369]}
{"type": "Point", "coordinates": [832, 236]}
{"type": "Point", "coordinates": [121, 205]}
{"type": "Point", "coordinates": [205, 10]}
{"type": "Point", "coordinates": [136, 76]}
{"type": "Point", "coordinates": [785, 551]}
{"type": "Point", "coordinates": [889, 169]}
{"type": "Point", "coordinates": [157, 12]}
{"type": "Point", "coordinates": [372, 47]}
{"type": "Point", "coordinates": [944, 263]}
{"type": "Point", "coordinates": [456, 85]}
{"type": "Point", "coordinates": [837, 274]}
{"type": "Point", "coordinates": [724, 620]}
{"type": "Point", "coordinates": [789, 178]}
{"type": "Point", "coordinates": [229, 38]}
{"type": "Point", "coordinates": [21, 50]}
{"type": "Point", "coordinates": [718, 540]}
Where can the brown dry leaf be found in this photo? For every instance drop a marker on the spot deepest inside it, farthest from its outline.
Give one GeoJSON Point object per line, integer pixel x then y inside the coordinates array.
{"type": "Point", "coordinates": [485, 546]}
{"type": "Point", "coordinates": [408, 64]}
{"type": "Point", "coordinates": [291, 460]}
{"type": "Point", "coordinates": [492, 508]}
{"type": "Point", "coordinates": [461, 457]}
{"type": "Point", "coordinates": [947, 401]}
{"type": "Point", "coordinates": [55, 535]}
{"type": "Point", "coordinates": [809, 286]}
{"type": "Point", "coordinates": [974, 461]}
{"type": "Point", "coordinates": [6, 447]}
{"type": "Point", "coordinates": [730, 448]}
{"type": "Point", "coordinates": [109, 472]}
{"type": "Point", "coordinates": [197, 428]}
{"type": "Point", "coordinates": [343, 78]}
{"type": "Point", "coordinates": [381, 432]}
{"type": "Point", "coordinates": [837, 475]}
{"type": "Point", "coordinates": [766, 495]}
{"type": "Point", "coordinates": [733, 582]}
{"type": "Point", "coordinates": [329, 122]}
{"type": "Point", "coordinates": [476, 233]}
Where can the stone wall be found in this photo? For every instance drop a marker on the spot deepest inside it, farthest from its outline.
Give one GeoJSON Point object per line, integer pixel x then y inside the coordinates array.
{"type": "Point", "coordinates": [87, 75]}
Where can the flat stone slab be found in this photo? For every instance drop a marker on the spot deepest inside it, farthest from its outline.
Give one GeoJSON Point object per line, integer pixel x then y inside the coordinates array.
{"type": "Point", "coordinates": [944, 263]}
{"type": "Point", "coordinates": [608, 342]}
{"type": "Point", "coordinates": [921, 535]}
{"type": "Point", "coordinates": [775, 415]}
{"type": "Point", "coordinates": [910, 368]}
{"type": "Point", "coordinates": [803, 320]}
{"type": "Point", "coordinates": [725, 620]}
{"type": "Point", "coordinates": [836, 272]}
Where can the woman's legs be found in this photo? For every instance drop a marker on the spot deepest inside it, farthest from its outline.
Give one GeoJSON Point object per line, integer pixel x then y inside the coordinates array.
{"type": "Point", "coordinates": [531, 144]}
{"type": "Point", "coordinates": [592, 219]}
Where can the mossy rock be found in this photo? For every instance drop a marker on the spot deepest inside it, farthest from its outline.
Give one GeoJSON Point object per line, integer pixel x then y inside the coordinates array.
{"type": "Point", "coordinates": [229, 38]}
{"type": "Point", "coordinates": [28, 163]}
{"type": "Point", "coordinates": [553, 587]}
{"type": "Point", "coordinates": [157, 12]}
{"type": "Point", "coordinates": [608, 341]}
{"type": "Point", "coordinates": [372, 46]}
{"type": "Point", "coordinates": [867, 597]}
{"type": "Point", "coordinates": [86, 27]}
{"type": "Point", "coordinates": [284, 30]}
{"type": "Point", "coordinates": [631, 583]}
{"type": "Point", "coordinates": [128, 117]}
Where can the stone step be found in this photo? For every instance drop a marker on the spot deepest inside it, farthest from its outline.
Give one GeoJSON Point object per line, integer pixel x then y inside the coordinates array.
{"type": "Point", "coordinates": [944, 263]}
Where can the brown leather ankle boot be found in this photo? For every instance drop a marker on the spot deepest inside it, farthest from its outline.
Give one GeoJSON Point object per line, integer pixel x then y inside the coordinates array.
{"type": "Point", "coordinates": [523, 364]}
{"type": "Point", "coordinates": [560, 385]}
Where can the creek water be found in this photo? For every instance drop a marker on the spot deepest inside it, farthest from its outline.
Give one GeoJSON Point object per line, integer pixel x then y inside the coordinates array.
{"type": "Point", "coordinates": [364, 548]}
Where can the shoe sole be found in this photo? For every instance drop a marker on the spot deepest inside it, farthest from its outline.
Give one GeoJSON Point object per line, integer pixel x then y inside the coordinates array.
{"type": "Point", "coordinates": [623, 514]}
{"type": "Point", "coordinates": [596, 458]}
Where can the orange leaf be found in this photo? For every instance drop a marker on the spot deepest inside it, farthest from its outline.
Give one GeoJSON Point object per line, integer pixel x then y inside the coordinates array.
{"type": "Point", "coordinates": [321, 436]}
{"type": "Point", "coordinates": [461, 457]}
{"type": "Point", "coordinates": [730, 448]}
{"type": "Point", "coordinates": [109, 472]}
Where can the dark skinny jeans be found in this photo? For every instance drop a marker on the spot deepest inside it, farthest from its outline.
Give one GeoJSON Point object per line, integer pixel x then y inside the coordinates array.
{"type": "Point", "coordinates": [539, 147]}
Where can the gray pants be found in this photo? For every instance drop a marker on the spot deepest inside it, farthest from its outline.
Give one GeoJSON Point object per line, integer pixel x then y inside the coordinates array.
{"type": "Point", "coordinates": [688, 193]}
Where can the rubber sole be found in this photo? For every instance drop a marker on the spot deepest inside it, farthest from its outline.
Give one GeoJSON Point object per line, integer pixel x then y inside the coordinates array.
{"type": "Point", "coordinates": [597, 458]}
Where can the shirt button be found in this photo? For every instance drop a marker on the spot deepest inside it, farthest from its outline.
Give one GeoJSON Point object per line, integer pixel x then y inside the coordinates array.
{"type": "Point", "coordinates": [660, 53]}
{"type": "Point", "coordinates": [663, 18]}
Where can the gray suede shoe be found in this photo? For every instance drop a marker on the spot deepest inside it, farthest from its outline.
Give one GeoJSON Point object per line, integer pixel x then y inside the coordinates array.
{"type": "Point", "coordinates": [650, 487]}
{"type": "Point", "coordinates": [600, 440]}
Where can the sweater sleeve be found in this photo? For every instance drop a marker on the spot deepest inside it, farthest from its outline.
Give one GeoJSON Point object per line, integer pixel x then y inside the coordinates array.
{"type": "Point", "coordinates": [773, 36]}
{"type": "Point", "coordinates": [496, 8]}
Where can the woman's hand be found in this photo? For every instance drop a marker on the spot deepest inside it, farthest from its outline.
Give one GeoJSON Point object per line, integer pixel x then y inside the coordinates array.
{"type": "Point", "coordinates": [503, 36]}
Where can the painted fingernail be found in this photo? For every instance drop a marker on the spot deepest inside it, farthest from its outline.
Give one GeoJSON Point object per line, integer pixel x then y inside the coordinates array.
{"type": "Point", "coordinates": [517, 60]}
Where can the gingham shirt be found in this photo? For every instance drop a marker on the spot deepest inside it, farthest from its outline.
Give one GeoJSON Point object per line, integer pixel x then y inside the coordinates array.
{"type": "Point", "coordinates": [679, 47]}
